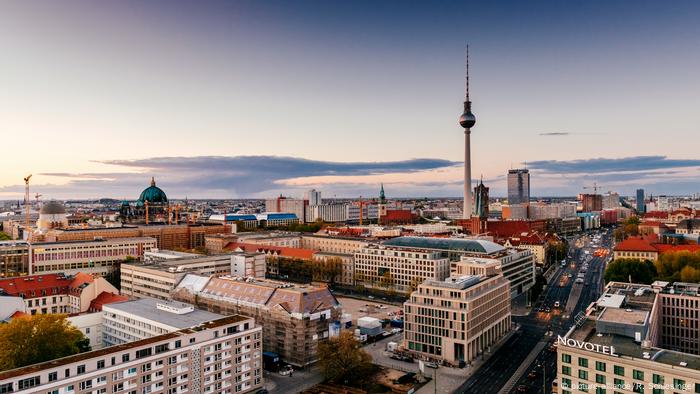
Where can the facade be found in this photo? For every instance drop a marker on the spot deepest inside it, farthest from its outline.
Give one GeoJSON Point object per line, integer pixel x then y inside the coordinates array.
{"type": "Point", "coordinates": [287, 205]}
{"type": "Point", "coordinates": [457, 319]}
{"type": "Point", "coordinates": [481, 201]}
{"type": "Point", "coordinates": [90, 324]}
{"type": "Point", "coordinates": [56, 293]}
{"type": "Point", "coordinates": [129, 321]}
{"type": "Point", "coordinates": [514, 211]}
{"type": "Point", "coordinates": [52, 215]}
{"type": "Point", "coordinates": [332, 244]}
{"type": "Point", "coordinates": [14, 258]}
{"type": "Point", "coordinates": [399, 269]}
{"type": "Point", "coordinates": [167, 236]}
{"type": "Point", "coordinates": [157, 280]}
{"type": "Point", "coordinates": [640, 201]}
{"type": "Point", "coordinates": [360, 212]}
{"type": "Point", "coordinates": [688, 226]}
{"type": "Point", "coordinates": [610, 200]}
{"type": "Point", "coordinates": [221, 356]}
{"type": "Point", "coordinates": [517, 265]}
{"type": "Point", "coordinates": [635, 248]}
{"type": "Point", "coordinates": [314, 197]}
{"type": "Point", "coordinates": [331, 213]}
{"type": "Point", "coordinates": [295, 318]}
{"type": "Point", "coordinates": [248, 265]}
{"type": "Point", "coordinates": [538, 211]}
{"type": "Point", "coordinates": [518, 186]}
{"type": "Point", "coordinates": [96, 257]}
{"type": "Point", "coordinates": [627, 343]}
{"type": "Point", "coordinates": [591, 202]}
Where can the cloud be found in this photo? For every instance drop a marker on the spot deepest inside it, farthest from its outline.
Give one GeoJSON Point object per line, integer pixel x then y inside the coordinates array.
{"type": "Point", "coordinates": [555, 134]}
{"type": "Point", "coordinates": [221, 176]}
{"type": "Point", "coordinates": [563, 133]}
{"type": "Point", "coordinates": [602, 165]}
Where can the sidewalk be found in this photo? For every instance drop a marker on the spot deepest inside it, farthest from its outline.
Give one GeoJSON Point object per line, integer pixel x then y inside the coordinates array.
{"type": "Point", "coordinates": [519, 306]}
{"type": "Point", "coordinates": [450, 379]}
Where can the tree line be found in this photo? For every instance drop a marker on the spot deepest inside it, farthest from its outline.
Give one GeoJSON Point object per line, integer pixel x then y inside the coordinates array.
{"type": "Point", "coordinates": [681, 266]}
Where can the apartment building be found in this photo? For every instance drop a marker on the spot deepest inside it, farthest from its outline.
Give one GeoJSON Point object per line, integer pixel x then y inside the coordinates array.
{"type": "Point", "coordinates": [14, 258]}
{"type": "Point", "coordinates": [97, 256]}
{"type": "Point", "coordinates": [221, 356]}
{"type": "Point", "coordinates": [55, 293]}
{"type": "Point", "coordinates": [399, 269]}
{"type": "Point", "coordinates": [158, 279]}
{"type": "Point", "coordinates": [333, 244]}
{"type": "Point", "coordinates": [295, 318]}
{"type": "Point", "coordinates": [130, 321]}
{"type": "Point", "coordinates": [634, 339]}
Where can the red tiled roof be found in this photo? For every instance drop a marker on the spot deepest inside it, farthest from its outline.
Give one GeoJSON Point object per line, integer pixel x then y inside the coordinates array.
{"type": "Point", "coordinates": [32, 286]}
{"type": "Point", "coordinates": [105, 298]}
{"type": "Point", "coordinates": [298, 253]}
{"type": "Point", "coordinates": [635, 244]}
{"type": "Point", "coordinates": [18, 314]}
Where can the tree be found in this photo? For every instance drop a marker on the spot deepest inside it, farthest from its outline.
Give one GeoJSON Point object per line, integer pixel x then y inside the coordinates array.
{"type": "Point", "coordinates": [34, 339]}
{"type": "Point", "coordinates": [624, 270]}
{"type": "Point", "coordinates": [4, 236]}
{"type": "Point", "coordinates": [343, 361]}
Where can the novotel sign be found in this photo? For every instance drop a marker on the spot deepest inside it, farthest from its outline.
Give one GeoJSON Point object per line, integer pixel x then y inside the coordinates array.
{"type": "Point", "coordinates": [609, 350]}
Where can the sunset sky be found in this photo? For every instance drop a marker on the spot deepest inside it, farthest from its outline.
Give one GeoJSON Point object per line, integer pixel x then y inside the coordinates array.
{"type": "Point", "coordinates": [256, 98]}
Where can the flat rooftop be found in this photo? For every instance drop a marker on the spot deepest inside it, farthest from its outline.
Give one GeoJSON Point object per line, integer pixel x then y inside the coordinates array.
{"type": "Point", "coordinates": [624, 316]}
{"type": "Point", "coordinates": [162, 312]}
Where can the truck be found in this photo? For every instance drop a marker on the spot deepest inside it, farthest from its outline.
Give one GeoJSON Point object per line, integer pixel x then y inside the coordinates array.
{"type": "Point", "coordinates": [370, 326]}
{"type": "Point", "coordinates": [271, 361]}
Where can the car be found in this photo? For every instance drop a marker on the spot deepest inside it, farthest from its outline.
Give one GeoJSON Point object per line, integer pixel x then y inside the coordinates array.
{"type": "Point", "coordinates": [521, 389]}
{"type": "Point", "coordinates": [401, 357]}
{"type": "Point", "coordinates": [396, 330]}
{"type": "Point", "coordinates": [557, 304]}
{"type": "Point", "coordinates": [370, 297]}
{"type": "Point", "coordinates": [430, 365]}
{"type": "Point", "coordinates": [287, 370]}
{"type": "Point", "coordinates": [532, 375]}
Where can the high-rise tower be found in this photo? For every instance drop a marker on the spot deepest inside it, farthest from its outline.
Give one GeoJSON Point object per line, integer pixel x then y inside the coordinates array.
{"type": "Point", "coordinates": [467, 121]}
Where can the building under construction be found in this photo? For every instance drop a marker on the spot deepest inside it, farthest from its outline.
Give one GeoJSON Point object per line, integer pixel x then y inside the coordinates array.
{"type": "Point", "coordinates": [295, 318]}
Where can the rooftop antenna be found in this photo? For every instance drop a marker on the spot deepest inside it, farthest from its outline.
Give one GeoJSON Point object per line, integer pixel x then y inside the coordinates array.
{"type": "Point", "coordinates": [467, 75]}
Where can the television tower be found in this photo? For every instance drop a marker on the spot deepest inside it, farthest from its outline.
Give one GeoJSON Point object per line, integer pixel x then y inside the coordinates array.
{"type": "Point", "coordinates": [467, 120]}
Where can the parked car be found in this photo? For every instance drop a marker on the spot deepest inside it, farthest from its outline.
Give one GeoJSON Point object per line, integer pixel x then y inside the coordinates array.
{"type": "Point", "coordinates": [431, 365]}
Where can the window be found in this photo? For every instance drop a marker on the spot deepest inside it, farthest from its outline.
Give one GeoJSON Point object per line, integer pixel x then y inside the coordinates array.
{"type": "Point", "coordinates": [636, 374]}
{"type": "Point", "coordinates": [619, 383]}
{"type": "Point", "coordinates": [599, 390]}
{"type": "Point", "coordinates": [28, 383]}
{"type": "Point", "coordinates": [125, 357]}
{"type": "Point", "coordinates": [565, 370]}
{"type": "Point", "coordinates": [6, 388]}
{"type": "Point", "coordinates": [566, 383]}
{"type": "Point", "coordinates": [679, 384]}
{"type": "Point", "coordinates": [599, 378]}
{"type": "Point", "coordinates": [100, 364]}
{"type": "Point", "coordinates": [81, 369]}
{"type": "Point", "coordinates": [583, 374]}
{"type": "Point", "coordinates": [178, 344]}
{"type": "Point", "coordinates": [143, 353]}
{"type": "Point", "coordinates": [566, 358]}
{"type": "Point", "coordinates": [600, 366]}
{"type": "Point", "coordinates": [618, 370]}
{"type": "Point", "coordinates": [161, 348]}
{"type": "Point", "coordinates": [657, 379]}
{"type": "Point", "coordinates": [583, 362]}
{"type": "Point", "coordinates": [638, 387]}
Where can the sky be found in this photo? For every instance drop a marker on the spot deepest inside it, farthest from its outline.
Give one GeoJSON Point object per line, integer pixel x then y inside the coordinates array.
{"type": "Point", "coordinates": [236, 99]}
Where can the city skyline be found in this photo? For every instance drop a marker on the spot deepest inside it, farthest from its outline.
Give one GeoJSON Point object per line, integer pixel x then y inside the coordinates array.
{"type": "Point", "coordinates": [100, 96]}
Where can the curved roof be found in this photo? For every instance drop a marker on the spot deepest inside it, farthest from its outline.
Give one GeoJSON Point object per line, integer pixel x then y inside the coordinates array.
{"type": "Point", "coordinates": [153, 194]}
{"type": "Point", "coordinates": [52, 207]}
{"type": "Point", "coordinates": [456, 244]}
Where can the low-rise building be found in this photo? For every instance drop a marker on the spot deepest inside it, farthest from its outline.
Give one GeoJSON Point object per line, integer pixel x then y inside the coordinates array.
{"type": "Point", "coordinates": [295, 318]}
{"type": "Point", "coordinates": [457, 319]}
{"type": "Point", "coordinates": [56, 293]}
{"type": "Point", "coordinates": [222, 356]}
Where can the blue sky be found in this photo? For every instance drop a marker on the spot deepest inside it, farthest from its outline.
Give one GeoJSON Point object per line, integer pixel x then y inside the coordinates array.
{"type": "Point", "coordinates": [99, 96]}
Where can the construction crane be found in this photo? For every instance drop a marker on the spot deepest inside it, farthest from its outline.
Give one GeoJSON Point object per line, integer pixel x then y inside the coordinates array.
{"type": "Point", "coordinates": [26, 204]}
{"type": "Point", "coordinates": [595, 187]}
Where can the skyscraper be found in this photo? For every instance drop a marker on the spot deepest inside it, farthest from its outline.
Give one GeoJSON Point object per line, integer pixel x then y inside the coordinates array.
{"type": "Point", "coordinates": [518, 186]}
{"type": "Point", "coordinates": [640, 201]}
{"type": "Point", "coordinates": [467, 120]}
{"type": "Point", "coordinates": [314, 197]}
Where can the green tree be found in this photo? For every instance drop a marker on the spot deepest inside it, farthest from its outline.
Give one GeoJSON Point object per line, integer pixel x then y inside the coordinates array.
{"type": "Point", "coordinates": [343, 361]}
{"type": "Point", "coordinates": [35, 339]}
{"type": "Point", "coordinates": [624, 270]}
{"type": "Point", "coordinates": [4, 236]}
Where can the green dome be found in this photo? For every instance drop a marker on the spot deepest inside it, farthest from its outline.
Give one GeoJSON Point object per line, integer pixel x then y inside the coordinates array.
{"type": "Point", "coordinates": [153, 194]}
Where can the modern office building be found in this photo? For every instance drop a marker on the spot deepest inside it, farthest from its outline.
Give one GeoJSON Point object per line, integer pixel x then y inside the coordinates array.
{"type": "Point", "coordinates": [314, 197]}
{"type": "Point", "coordinates": [295, 318]}
{"type": "Point", "coordinates": [634, 339]}
{"type": "Point", "coordinates": [457, 319]}
{"type": "Point", "coordinates": [399, 269]}
{"type": "Point", "coordinates": [331, 213]}
{"type": "Point", "coordinates": [220, 356]}
{"type": "Point", "coordinates": [96, 257]}
{"type": "Point", "coordinates": [129, 321]}
{"type": "Point", "coordinates": [517, 265]}
{"type": "Point", "coordinates": [518, 186]}
{"type": "Point", "coordinates": [287, 205]}
{"type": "Point", "coordinates": [640, 201]}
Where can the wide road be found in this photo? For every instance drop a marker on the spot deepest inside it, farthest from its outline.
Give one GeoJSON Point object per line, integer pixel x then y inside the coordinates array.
{"type": "Point", "coordinates": [541, 324]}
{"type": "Point", "coordinates": [540, 373]}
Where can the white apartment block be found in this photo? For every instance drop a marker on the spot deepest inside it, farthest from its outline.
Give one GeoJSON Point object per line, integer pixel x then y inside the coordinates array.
{"type": "Point", "coordinates": [129, 321]}
{"type": "Point", "coordinates": [221, 356]}
{"type": "Point", "coordinates": [95, 257]}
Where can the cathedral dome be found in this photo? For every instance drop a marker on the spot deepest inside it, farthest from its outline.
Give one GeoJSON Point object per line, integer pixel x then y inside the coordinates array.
{"type": "Point", "coordinates": [153, 194]}
{"type": "Point", "coordinates": [52, 207]}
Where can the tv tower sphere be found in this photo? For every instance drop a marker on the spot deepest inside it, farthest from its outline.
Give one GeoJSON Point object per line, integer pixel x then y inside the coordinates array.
{"type": "Point", "coordinates": [467, 120]}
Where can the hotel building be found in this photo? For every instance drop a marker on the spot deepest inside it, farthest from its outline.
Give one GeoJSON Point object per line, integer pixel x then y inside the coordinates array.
{"type": "Point", "coordinates": [456, 319]}
{"type": "Point", "coordinates": [220, 356]}
{"type": "Point", "coordinates": [634, 339]}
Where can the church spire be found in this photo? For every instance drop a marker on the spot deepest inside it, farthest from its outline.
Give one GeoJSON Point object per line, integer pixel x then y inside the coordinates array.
{"type": "Point", "coordinates": [153, 181]}
{"type": "Point", "coordinates": [382, 197]}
